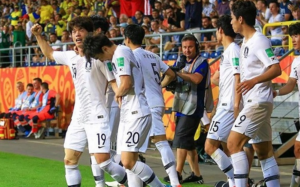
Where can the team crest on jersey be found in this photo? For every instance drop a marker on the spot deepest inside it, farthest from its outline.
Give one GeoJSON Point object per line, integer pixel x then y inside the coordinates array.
{"type": "Point", "coordinates": [74, 71]}
{"type": "Point", "coordinates": [246, 51]}
{"type": "Point", "coordinates": [222, 58]}
{"type": "Point", "coordinates": [88, 66]}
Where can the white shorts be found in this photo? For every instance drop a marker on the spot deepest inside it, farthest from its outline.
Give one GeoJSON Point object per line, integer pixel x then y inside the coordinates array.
{"type": "Point", "coordinates": [298, 137]}
{"type": "Point", "coordinates": [96, 135]}
{"type": "Point", "coordinates": [221, 125]}
{"type": "Point", "coordinates": [157, 124]}
{"type": "Point", "coordinates": [205, 120]}
{"type": "Point", "coordinates": [254, 121]}
{"type": "Point", "coordinates": [114, 120]}
{"type": "Point", "coordinates": [134, 134]}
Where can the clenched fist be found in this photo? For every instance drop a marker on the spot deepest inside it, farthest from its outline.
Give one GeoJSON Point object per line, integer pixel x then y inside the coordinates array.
{"type": "Point", "coordinates": [36, 29]}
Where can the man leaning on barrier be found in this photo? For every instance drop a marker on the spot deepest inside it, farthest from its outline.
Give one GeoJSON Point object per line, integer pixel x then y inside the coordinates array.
{"type": "Point", "coordinates": [189, 104]}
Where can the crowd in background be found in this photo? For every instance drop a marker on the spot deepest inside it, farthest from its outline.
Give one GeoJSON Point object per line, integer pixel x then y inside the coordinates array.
{"type": "Point", "coordinates": [155, 16]}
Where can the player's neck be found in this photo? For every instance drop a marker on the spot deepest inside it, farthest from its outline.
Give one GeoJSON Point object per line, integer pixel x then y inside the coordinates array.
{"type": "Point", "coordinates": [133, 47]}
{"type": "Point", "coordinates": [248, 32]}
{"type": "Point", "coordinates": [227, 40]}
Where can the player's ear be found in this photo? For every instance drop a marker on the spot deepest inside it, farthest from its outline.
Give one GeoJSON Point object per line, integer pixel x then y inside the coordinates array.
{"type": "Point", "coordinates": [104, 49]}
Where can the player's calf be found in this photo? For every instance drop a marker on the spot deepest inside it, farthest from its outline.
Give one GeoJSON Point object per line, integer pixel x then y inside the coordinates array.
{"type": "Point", "coordinates": [73, 176]}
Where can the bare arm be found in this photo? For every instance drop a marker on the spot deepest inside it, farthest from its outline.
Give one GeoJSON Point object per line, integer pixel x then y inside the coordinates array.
{"type": "Point", "coordinates": [179, 29]}
{"type": "Point", "coordinates": [194, 78]}
{"type": "Point", "coordinates": [114, 85]}
{"type": "Point", "coordinates": [125, 86]}
{"type": "Point", "coordinates": [216, 78]}
{"type": "Point", "coordinates": [45, 47]}
{"type": "Point", "coordinates": [169, 77]}
{"type": "Point", "coordinates": [57, 99]}
{"type": "Point", "coordinates": [286, 89]}
{"type": "Point", "coordinates": [237, 97]}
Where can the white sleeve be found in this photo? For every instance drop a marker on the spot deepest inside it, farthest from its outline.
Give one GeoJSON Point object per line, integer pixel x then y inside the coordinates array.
{"type": "Point", "coordinates": [294, 68]}
{"type": "Point", "coordinates": [106, 69]}
{"type": "Point", "coordinates": [268, 14]}
{"type": "Point", "coordinates": [62, 57]}
{"type": "Point", "coordinates": [163, 66]}
{"type": "Point", "coordinates": [264, 52]}
{"type": "Point", "coordinates": [234, 56]}
{"type": "Point", "coordinates": [123, 59]}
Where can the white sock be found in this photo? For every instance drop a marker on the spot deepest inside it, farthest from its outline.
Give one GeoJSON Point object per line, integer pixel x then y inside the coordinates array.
{"type": "Point", "coordinates": [271, 172]}
{"type": "Point", "coordinates": [168, 160]}
{"type": "Point", "coordinates": [98, 173]}
{"type": "Point", "coordinates": [115, 171]}
{"type": "Point", "coordinates": [241, 168]}
{"type": "Point", "coordinates": [225, 165]}
{"type": "Point", "coordinates": [133, 179]}
{"type": "Point", "coordinates": [295, 182]}
{"type": "Point", "coordinates": [73, 176]}
{"type": "Point", "coordinates": [146, 174]}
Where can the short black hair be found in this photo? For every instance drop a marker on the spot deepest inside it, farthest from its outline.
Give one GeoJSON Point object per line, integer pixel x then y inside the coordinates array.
{"type": "Point", "coordinates": [45, 85]}
{"type": "Point", "coordinates": [29, 85]}
{"type": "Point", "coordinates": [100, 22]}
{"type": "Point", "coordinates": [190, 37]}
{"type": "Point", "coordinates": [135, 33]}
{"type": "Point", "coordinates": [207, 17]}
{"type": "Point", "coordinates": [224, 23]}
{"type": "Point", "coordinates": [53, 33]}
{"type": "Point", "coordinates": [155, 10]}
{"type": "Point", "coordinates": [294, 29]}
{"type": "Point", "coordinates": [93, 44]}
{"type": "Point", "coordinates": [168, 7]}
{"type": "Point", "coordinates": [246, 10]}
{"type": "Point", "coordinates": [38, 79]}
{"type": "Point", "coordinates": [263, 2]}
{"type": "Point", "coordinates": [82, 22]}
{"type": "Point", "coordinates": [276, 2]}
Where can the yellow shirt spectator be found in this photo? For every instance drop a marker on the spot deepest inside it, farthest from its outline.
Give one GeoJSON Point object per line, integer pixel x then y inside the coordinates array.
{"type": "Point", "coordinates": [46, 13]}
{"type": "Point", "coordinates": [15, 16]}
{"type": "Point", "coordinates": [60, 27]}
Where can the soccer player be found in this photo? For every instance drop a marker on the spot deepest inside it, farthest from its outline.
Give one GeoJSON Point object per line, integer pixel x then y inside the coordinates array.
{"type": "Point", "coordinates": [258, 66]}
{"type": "Point", "coordinates": [135, 115]}
{"type": "Point", "coordinates": [294, 32]}
{"type": "Point", "coordinates": [152, 66]}
{"type": "Point", "coordinates": [90, 116]}
{"type": "Point", "coordinates": [228, 105]}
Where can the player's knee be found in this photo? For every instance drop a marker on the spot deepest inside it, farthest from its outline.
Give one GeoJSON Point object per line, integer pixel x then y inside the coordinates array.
{"type": "Point", "coordinates": [210, 147]}
{"type": "Point", "coordinates": [71, 160]}
{"type": "Point", "coordinates": [297, 149]}
{"type": "Point", "coordinates": [102, 157]}
{"type": "Point", "coordinates": [127, 163]}
{"type": "Point", "coordinates": [35, 119]}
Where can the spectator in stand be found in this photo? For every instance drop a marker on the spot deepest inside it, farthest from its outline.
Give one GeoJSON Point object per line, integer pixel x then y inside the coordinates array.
{"type": "Point", "coordinates": [113, 7]}
{"type": "Point", "coordinates": [84, 12]}
{"type": "Point", "coordinates": [175, 6]}
{"type": "Point", "coordinates": [284, 10]}
{"type": "Point", "coordinates": [156, 15]}
{"type": "Point", "coordinates": [182, 7]}
{"type": "Point", "coordinates": [77, 11]}
{"type": "Point", "coordinates": [113, 34]}
{"type": "Point", "coordinates": [123, 18]}
{"type": "Point", "coordinates": [28, 25]}
{"type": "Point", "coordinates": [276, 32]}
{"type": "Point", "coordinates": [33, 16]}
{"type": "Point", "coordinates": [285, 38]}
{"type": "Point", "coordinates": [129, 21]}
{"type": "Point", "coordinates": [19, 39]}
{"type": "Point", "coordinates": [193, 16]}
{"type": "Point", "coordinates": [207, 37]}
{"type": "Point", "coordinates": [208, 7]}
{"type": "Point", "coordinates": [46, 12]}
{"type": "Point", "coordinates": [138, 18]}
{"type": "Point", "coordinates": [53, 40]}
{"type": "Point", "coordinates": [65, 39]}
{"type": "Point", "coordinates": [155, 40]}
{"type": "Point", "coordinates": [101, 13]}
{"type": "Point", "coordinates": [146, 21]}
{"type": "Point", "coordinates": [158, 7]}
{"type": "Point", "coordinates": [49, 26]}
{"type": "Point", "coordinates": [122, 28]}
{"type": "Point", "coordinates": [176, 23]}
{"type": "Point", "coordinates": [223, 8]}
{"type": "Point", "coordinates": [60, 26]}
{"type": "Point", "coordinates": [55, 7]}
{"type": "Point", "coordinates": [296, 13]}
{"type": "Point", "coordinates": [15, 16]}
{"type": "Point", "coordinates": [112, 21]}
{"type": "Point", "coordinates": [264, 12]}
{"type": "Point", "coordinates": [99, 5]}
{"type": "Point", "coordinates": [4, 43]}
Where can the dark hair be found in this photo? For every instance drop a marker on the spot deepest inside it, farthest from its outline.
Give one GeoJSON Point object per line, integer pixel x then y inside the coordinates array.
{"type": "Point", "coordinates": [100, 22]}
{"type": "Point", "coordinates": [168, 7]}
{"type": "Point", "coordinates": [54, 34]}
{"type": "Point", "coordinates": [156, 21]}
{"type": "Point", "coordinates": [224, 23]}
{"type": "Point", "coordinates": [29, 85]}
{"type": "Point", "coordinates": [155, 10]}
{"type": "Point", "coordinates": [38, 79]}
{"type": "Point", "coordinates": [135, 33]}
{"type": "Point", "coordinates": [294, 29]}
{"type": "Point", "coordinates": [276, 2]}
{"type": "Point", "coordinates": [45, 85]}
{"type": "Point", "coordinates": [246, 10]}
{"type": "Point", "coordinates": [263, 2]}
{"type": "Point", "coordinates": [93, 44]}
{"type": "Point", "coordinates": [190, 37]}
{"type": "Point", "coordinates": [82, 22]}
{"type": "Point", "coordinates": [207, 17]}
{"type": "Point", "coordinates": [157, 2]}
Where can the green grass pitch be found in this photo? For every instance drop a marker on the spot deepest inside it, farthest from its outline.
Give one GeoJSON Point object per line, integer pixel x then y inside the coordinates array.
{"type": "Point", "coordinates": [24, 171]}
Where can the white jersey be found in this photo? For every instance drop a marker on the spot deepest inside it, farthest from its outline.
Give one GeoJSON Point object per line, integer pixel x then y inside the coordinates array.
{"type": "Point", "coordinates": [277, 32]}
{"type": "Point", "coordinates": [90, 81]}
{"type": "Point", "coordinates": [255, 57]}
{"type": "Point", "coordinates": [110, 97]}
{"type": "Point", "coordinates": [134, 103]}
{"type": "Point", "coordinates": [151, 68]}
{"type": "Point", "coordinates": [295, 68]}
{"type": "Point", "coordinates": [229, 66]}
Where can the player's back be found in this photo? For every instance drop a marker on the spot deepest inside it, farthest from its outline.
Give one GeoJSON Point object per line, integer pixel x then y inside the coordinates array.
{"type": "Point", "coordinates": [151, 68]}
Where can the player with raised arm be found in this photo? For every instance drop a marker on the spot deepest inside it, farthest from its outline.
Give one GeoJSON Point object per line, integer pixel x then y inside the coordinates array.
{"type": "Point", "coordinates": [229, 100]}
{"type": "Point", "coordinates": [152, 66]}
{"type": "Point", "coordinates": [90, 116]}
{"type": "Point", "coordinates": [135, 115]}
{"type": "Point", "coordinates": [258, 66]}
{"type": "Point", "coordinates": [294, 32]}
